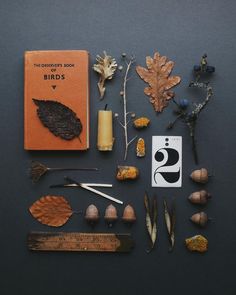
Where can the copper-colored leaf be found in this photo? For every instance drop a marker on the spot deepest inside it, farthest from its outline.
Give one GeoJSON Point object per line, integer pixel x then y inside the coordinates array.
{"type": "Point", "coordinates": [157, 75]}
{"type": "Point", "coordinates": [51, 210]}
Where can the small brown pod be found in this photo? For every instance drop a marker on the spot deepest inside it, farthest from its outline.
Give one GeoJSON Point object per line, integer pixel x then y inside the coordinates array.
{"type": "Point", "coordinates": [200, 219]}
{"type": "Point", "coordinates": [111, 215]}
{"type": "Point", "coordinates": [129, 215]}
{"type": "Point", "coordinates": [200, 197]}
{"type": "Point", "coordinates": [200, 175]}
{"type": "Point", "coordinates": [92, 214]}
{"type": "Point", "coordinates": [127, 172]}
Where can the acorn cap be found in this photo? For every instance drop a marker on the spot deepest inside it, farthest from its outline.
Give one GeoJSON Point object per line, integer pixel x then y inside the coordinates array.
{"type": "Point", "coordinates": [111, 214]}
{"type": "Point", "coordinates": [129, 214]}
{"type": "Point", "coordinates": [92, 214]}
{"type": "Point", "coordinates": [200, 218]}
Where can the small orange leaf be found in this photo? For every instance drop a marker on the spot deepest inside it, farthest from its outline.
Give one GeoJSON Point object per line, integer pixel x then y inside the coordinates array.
{"type": "Point", "coordinates": [157, 75]}
{"type": "Point", "coordinates": [51, 210]}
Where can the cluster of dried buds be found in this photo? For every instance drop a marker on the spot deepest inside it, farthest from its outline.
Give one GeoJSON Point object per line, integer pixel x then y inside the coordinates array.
{"type": "Point", "coordinates": [111, 216]}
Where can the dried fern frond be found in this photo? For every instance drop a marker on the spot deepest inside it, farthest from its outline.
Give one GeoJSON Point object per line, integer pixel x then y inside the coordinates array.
{"type": "Point", "coordinates": [106, 67]}
{"type": "Point", "coordinates": [37, 170]}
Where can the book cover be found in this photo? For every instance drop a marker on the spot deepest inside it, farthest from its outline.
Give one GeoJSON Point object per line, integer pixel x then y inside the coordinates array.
{"type": "Point", "coordinates": [56, 75]}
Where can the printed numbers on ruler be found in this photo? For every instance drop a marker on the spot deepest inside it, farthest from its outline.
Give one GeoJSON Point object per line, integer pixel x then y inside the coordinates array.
{"type": "Point", "coordinates": [166, 161]}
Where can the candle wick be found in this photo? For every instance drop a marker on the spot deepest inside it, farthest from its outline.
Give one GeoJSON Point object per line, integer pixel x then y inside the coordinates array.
{"type": "Point", "coordinates": [105, 107]}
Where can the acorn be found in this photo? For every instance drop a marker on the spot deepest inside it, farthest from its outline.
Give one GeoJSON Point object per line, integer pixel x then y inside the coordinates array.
{"type": "Point", "coordinates": [129, 216]}
{"type": "Point", "coordinates": [92, 214]}
{"type": "Point", "coordinates": [200, 219]}
{"type": "Point", "coordinates": [200, 197]}
{"type": "Point", "coordinates": [111, 215]}
{"type": "Point", "coordinates": [200, 175]}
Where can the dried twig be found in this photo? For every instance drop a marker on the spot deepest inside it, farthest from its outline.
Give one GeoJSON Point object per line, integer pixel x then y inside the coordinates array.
{"type": "Point", "coordinates": [191, 118]}
{"type": "Point", "coordinates": [126, 114]}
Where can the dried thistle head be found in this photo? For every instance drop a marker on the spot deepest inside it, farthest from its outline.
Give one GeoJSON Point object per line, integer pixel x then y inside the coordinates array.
{"type": "Point", "coordinates": [37, 170]}
{"type": "Point", "coordinates": [106, 67]}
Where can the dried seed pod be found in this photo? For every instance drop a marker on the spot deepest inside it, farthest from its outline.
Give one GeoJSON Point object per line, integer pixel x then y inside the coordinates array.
{"type": "Point", "coordinates": [200, 175]}
{"type": "Point", "coordinates": [92, 214]}
{"type": "Point", "coordinates": [200, 197]}
{"type": "Point", "coordinates": [111, 215]}
{"type": "Point", "coordinates": [140, 148]}
{"type": "Point", "coordinates": [127, 172]}
{"type": "Point", "coordinates": [129, 215]}
{"type": "Point", "coordinates": [197, 243]}
{"type": "Point", "coordinates": [200, 219]}
{"type": "Point", "coordinates": [141, 122]}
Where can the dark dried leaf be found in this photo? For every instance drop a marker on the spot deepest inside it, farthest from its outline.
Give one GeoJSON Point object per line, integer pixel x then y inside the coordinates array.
{"type": "Point", "coordinates": [58, 118]}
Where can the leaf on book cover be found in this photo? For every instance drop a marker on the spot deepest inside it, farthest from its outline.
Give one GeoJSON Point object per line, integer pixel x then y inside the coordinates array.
{"type": "Point", "coordinates": [58, 118]}
{"type": "Point", "coordinates": [157, 75]}
{"type": "Point", "coordinates": [51, 210]}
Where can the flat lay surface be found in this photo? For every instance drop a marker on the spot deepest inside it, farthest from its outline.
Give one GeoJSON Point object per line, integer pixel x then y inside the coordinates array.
{"type": "Point", "coordinates": [181, 30]}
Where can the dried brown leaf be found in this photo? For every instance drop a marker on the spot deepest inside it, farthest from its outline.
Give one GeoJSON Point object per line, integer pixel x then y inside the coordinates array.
{"type": "Point", "coordinates": [51, 210]}
{"type": "Point", "coordinates": [157, 75]}
{"type": "Point", "coordinates": [106, 67]}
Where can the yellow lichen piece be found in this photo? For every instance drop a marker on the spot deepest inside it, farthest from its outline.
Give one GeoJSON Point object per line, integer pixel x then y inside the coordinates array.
{"type": "Point", "coordinates": [140, 148]}
{"type": "Point", "coordinates": [197, 243]}
{"type": "Point", "coordinates": [141, 122]}
{"type": "Point", "coordinates": [127, 172]}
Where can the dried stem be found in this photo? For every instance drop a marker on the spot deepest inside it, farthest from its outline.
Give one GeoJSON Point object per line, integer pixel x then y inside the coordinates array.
{"type": "Point", "coordinates": [126, 122]}
{"type": "Point", "coordinates": [191, 118]}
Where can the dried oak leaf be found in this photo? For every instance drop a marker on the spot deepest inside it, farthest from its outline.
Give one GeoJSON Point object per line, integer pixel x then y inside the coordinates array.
{"type": "Point", "coordinates": [51, 210]}
{"type": "Point", "coordinates": [58, 118]}
{"type": "Point", "coordinates": [157, 75]}
{"type": "Point", "coordinates": [106, 67]}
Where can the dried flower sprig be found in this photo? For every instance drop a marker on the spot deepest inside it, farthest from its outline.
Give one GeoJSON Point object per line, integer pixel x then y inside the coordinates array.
{"type": "Point", "coordinates": [151, 219]}
{"type": "Point", "coordinates": [106, 67]}
{"type": "Point", "coordinates": [127, 116]}
{"type": "Point", "coordinates": [37, 170]}
{"type": "Point", "coordinates": [190, 118]}
{"type": "Point", "coordinates": [170, 219]}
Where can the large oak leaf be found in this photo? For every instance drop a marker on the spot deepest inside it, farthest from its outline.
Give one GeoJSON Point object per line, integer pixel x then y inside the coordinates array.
{"type": "Point", "coordinates": [157, 75]}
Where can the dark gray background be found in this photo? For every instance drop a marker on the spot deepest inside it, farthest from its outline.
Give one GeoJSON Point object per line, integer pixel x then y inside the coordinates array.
{"type": "Point", "coordinates": [182, 30]}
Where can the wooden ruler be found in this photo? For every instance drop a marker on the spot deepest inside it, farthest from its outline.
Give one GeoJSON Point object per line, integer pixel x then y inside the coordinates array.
{"type": "Point", "coordinates": [82, 242]}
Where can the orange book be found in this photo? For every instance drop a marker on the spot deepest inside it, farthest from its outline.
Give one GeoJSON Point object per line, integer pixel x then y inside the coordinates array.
{"type": "Point", "coordinates": [56, 75]}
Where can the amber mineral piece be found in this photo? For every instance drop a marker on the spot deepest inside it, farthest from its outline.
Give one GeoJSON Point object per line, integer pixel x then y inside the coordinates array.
{"type": "Point", "coordinates": [141, 122]}
{"type": "Point", "coordinates": [140, 148]}
{"type": "Point", "coordinates": [197, 243]}
{"type": "Point", "coordinates": [127, 172]}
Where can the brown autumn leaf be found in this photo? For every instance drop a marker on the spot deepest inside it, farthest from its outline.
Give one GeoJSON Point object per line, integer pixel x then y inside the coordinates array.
{"type": "Point", "coordinates": [51, 210]}
{"type": "Point", "coordinates": [157, 75]}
